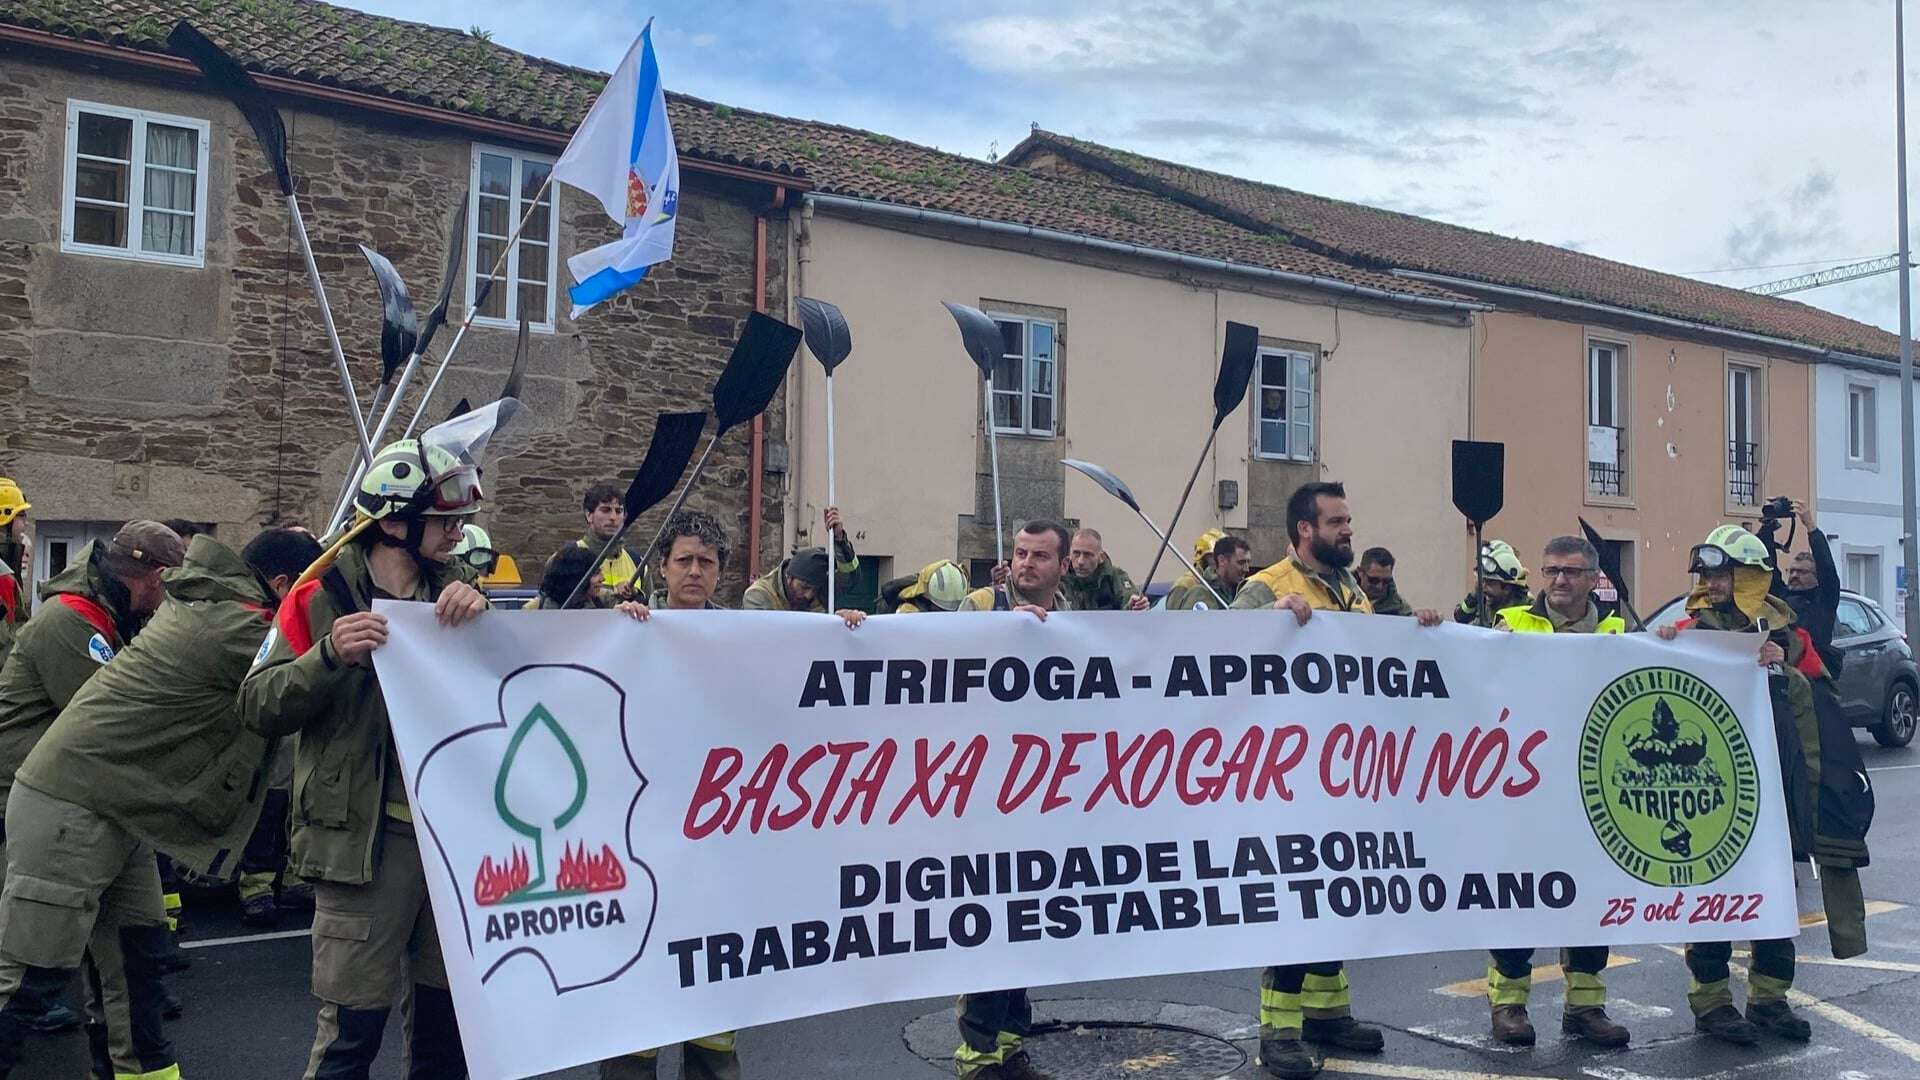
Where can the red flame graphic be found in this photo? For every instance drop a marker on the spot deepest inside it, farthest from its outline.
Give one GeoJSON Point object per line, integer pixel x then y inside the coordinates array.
{"type": "Point", "coordinates": [494, 884]}
{"type": "Point", "coordinates": [636, 195]}
{"type": "Point", "coordinates": [580, 871]}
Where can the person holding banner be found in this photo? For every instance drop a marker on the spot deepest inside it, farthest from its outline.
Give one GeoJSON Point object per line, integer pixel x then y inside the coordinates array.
{"type": "Point", "coordinates": [1311, 1002]}
{"type": "Point", "coordinates": [1376, 580]}
{"type": "Point", "coordinates": [1093, 582]}
{"type": "Point", "coordinates": [1732, 578]}
{"type": "Point", "coordinates": [1570, 566]}
{"type": "Point", "coordinates": [799, 583]}
{"type": "Point", "coordinates": [693, 551]}
{"type": "Point", "coordinates": [993, 1023]}
{"type": "Point", "coordinates": [374, 945]}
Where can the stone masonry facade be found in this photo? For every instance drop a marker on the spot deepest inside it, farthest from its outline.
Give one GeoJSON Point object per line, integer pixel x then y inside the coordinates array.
{"type": "Point", "coordinates": [129, 389]}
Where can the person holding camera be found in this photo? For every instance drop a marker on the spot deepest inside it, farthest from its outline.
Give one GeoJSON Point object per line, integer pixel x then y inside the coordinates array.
{"type": "Point", "coordinates": [1812, 586]}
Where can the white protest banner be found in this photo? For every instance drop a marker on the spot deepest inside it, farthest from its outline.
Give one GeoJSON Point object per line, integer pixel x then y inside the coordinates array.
{"type": "Point", "coordinates": [642, 833]}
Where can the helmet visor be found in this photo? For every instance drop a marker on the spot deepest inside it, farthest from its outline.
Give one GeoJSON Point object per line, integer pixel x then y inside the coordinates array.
{"type": "Point", "coordinates": [1491, 567]}
{"type": "Point", "coordinates": [480, 558]}
{"type": "Point", "coordinates": [1707, 557]}
{"type": "Point", "coordinates": [456, 492]}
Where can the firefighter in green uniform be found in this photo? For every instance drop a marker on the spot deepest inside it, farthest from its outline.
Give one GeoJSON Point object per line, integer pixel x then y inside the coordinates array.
{"type": "Point", "coordinates": [939, 586]}
{"type": "Point", "coordinates": [1503, 584]}
{"type": "Point", "coordinates": [1730, 592]}
{"type": "Point", "coordinates": [148, 754]}
{"type": "Point", "coordinates": [799, 583]}
{"type": "Point", "coordinates": [606, 512]}
{"type": "Point", "coordinates": [1569, 569]}
{"type": "Point", "coordinates": [1302, 1003]}
{"type": "Point", "coordinates": [374, 945]}
{"type": "Point", "coordinates": [1093, 583]}
{"type": "Point", "coordinates": [87, 613]}
{"type": "Point", "coordinates": [993, 1023]}
{"type": "Point", "coordinates": [1376, 580]}
{"type": "Point", "coordinates": [1224, 565]}
{"type": "Point", "coordinates": [14, 557]}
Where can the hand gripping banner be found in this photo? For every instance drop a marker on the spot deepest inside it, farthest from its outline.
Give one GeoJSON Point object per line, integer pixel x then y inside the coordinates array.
{"type": "Point", "coordinates": [638, 833]}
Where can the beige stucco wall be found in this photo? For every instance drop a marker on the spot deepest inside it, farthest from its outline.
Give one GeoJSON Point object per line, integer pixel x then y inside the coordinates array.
{"type": "Point", "coordinates": [1137, 363]}
{"type": "Point", "coordinates": [1533, 380]}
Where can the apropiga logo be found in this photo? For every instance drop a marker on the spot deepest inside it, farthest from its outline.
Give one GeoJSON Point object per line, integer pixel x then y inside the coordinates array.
{"type": "Point", "coordinates": [551, 872]}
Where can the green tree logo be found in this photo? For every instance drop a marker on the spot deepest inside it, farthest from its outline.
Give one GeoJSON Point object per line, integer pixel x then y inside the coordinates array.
{"type": "Point", "coordinates": [544, 810]}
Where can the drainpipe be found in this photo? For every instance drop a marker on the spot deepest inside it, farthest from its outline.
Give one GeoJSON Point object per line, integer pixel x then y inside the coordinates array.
{"type": "Point", "coordinates": [757, 457]}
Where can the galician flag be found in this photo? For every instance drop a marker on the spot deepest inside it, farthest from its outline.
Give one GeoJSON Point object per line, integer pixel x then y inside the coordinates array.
{"type": "Point", "coordinates": [623, 154]}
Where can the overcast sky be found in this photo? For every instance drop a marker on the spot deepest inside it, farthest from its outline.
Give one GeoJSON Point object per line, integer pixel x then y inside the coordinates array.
{"type": "Point", "coordinates": [1684, 136]}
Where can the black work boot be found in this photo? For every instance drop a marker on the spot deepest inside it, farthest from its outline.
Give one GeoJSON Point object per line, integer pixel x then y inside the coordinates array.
{"type": "Point", "coordinates": [699, 1063]}
{"type": "Point", "coordinates": [1018, 1066]}
{"type": "Point", "coordinates": [1288, 1059]}
{"type": "Point", "coordinates": [1725, 1023]}
{"type": "Point", "coordinates": [1594, 1025]}
{"type": "Point", "coordinates": [1777, 1017]}
{"type": "Point", "coordinates": [1512, 1026]}
{"type": "Point", "coordinates": [1344, 1032]}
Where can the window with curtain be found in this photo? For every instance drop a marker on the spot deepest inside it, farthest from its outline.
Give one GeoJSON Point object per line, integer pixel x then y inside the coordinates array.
{"type": "Point", "coordinates": [136, 185]}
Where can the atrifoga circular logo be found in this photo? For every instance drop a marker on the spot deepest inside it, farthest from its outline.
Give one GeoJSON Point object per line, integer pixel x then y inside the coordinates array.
{"type": "Point", "coordinates": [1668, 778]}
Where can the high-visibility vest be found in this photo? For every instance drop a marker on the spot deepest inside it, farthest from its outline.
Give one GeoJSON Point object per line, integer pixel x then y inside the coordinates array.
{"type": "Point", "coordinates": [1522, 620]}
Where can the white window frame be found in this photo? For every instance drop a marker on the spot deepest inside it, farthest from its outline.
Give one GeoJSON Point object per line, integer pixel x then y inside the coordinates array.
{"type": "Point", "coordinates": [1621, 420]}
{"type": "Point", "coordinates": [511, 282]}
{"type": "Point", "coordinates": [1296, 359]}
{"type": "Point", "coordinates": [1873, 580]}
{"type": "Point", "coordinates": [1027, 395]}
{"type": "Point", "coordinates": [1867, 397]}
{"type": "Point", "coordinates": [1755, 403]}
{"type": "Point", "coordinates": [136, 185]}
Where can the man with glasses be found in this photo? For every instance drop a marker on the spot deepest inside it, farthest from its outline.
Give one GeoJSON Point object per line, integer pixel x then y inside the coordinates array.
{"type": "Point", "coordinates": [1570, 567]}
{"type": "Point", "coordinates": [1376, 580]}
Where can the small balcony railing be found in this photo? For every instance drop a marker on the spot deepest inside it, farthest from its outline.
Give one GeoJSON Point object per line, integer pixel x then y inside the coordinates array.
{"type": "Point", "coordinates": [1743, 473]}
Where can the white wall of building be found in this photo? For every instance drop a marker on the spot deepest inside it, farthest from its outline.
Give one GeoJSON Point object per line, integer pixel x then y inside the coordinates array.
{"type": "Point", "coordinates": [1858, 478]}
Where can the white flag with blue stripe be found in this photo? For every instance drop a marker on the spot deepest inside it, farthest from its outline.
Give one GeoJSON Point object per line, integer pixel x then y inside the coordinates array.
{"type": "Point", "coordinates": [623, 154]}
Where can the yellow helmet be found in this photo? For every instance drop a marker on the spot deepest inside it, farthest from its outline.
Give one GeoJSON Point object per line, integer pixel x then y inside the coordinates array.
{"type": "Point", "coordinates": [943, 585]}
{"type": "Point", "coordinates": [1726, 547]}
{"type": "Point", "coordinates": [1500, 562]}
{"type": "Point", "coordinates": [410, 478]}
{"type": "Point", "coordinates": [13, 501]}
{"type": "Point", "coordinates": [1203, 545]}
{"type": "Point", "coordinates": [475, 549]}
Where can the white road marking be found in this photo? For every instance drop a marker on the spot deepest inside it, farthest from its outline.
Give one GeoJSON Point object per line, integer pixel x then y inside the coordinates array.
{"type": "Point", "coordinates": [1416, 1072]}
{"type": "Point", "coordinates": [1856, 962]}
{"type": "Point", "coordinates": [276, 935]}
{"type": "Point", "coordinates": [1468, 1042]}
{"type": "Point", "coordinates": [1859, 1025]}
{"type": "Point", "coordinates": [1615, 1072]}
{"type": "Point", "coordinates": [1893, 768]}
{"type": "Point", "coordinates": [1633, 1010]}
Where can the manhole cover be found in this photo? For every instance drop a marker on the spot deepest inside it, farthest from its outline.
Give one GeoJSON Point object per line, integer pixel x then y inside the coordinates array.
{"type": "Point", "coordinates": [1113, 1039]}
{"type": "Point", "coordinates": [1118, 1051]}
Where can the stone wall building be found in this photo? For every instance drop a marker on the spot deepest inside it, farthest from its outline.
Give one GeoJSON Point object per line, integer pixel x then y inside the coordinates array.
{"type": "Point", "coordinates": [160, 351]}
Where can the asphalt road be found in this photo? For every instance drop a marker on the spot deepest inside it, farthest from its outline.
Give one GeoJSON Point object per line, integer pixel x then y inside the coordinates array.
{"type": "Point", "coordinates": [248, 1012]}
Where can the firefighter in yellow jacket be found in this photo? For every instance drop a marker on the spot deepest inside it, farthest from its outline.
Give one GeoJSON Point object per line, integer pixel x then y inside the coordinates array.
{"type": "Point", "coordinates": [1302, 1003]}
{"type": "Point", "coordinates": [1569, 569]}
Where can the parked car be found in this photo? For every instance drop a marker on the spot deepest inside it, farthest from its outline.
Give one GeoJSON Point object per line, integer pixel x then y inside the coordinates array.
{"type": "Point", "coordinates": [510, 597]}
{"type": "Point", "coordinates": [1879, 683]}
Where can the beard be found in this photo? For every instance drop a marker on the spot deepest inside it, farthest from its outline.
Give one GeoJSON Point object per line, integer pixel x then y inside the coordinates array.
{"type": "Point", "coordinates": [1336, 554]}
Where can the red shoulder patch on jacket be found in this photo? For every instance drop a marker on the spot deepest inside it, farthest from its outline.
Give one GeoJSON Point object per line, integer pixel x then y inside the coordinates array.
{"type": "Point", "coordinates": [1685, 623]}
{"type": "Point", "coordinates": [292, 620]}
{"type": "Point", "coordinates": [1810, 663]}
{"type": "Point", "coordinates": [10, 596]}
{"type": "Point", "coordinates": [90, 610]}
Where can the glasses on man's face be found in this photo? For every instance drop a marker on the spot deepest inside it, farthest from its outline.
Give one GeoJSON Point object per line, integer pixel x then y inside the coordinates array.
{"type": "Point", "coordinates": [1376, 580]}
{"type": "Point", "coordinates": [1566, 571]}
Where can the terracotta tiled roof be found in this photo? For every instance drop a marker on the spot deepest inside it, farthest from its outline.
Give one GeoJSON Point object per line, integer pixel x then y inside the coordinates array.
{"type": "Point", "coordinates": [458, 70]}
{"type": "Point", "coordinates": [1385, 239]}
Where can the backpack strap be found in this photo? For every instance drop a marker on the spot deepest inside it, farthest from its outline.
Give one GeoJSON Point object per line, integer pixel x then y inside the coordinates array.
{"type": "Point", "coordinates": [89, 609]}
